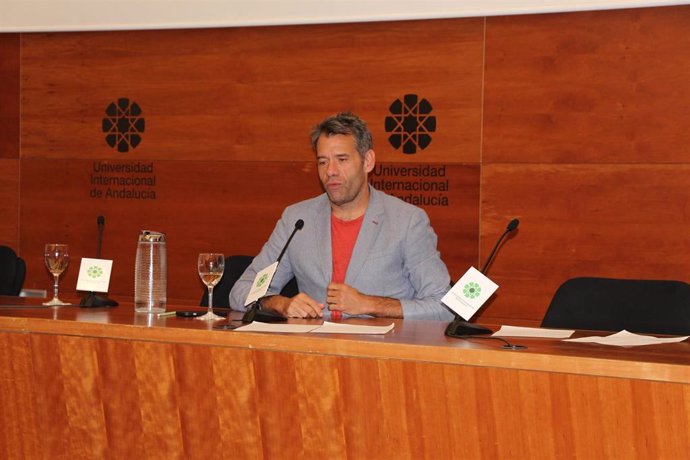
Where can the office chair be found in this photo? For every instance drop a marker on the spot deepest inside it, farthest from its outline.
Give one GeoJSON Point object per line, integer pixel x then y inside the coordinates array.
{"type": "Point", "coordinates": [607, 304]}
{"type": "Point", "coordinates": [234, 267]}
{"type": "Point", "coordinates": [12, 272]}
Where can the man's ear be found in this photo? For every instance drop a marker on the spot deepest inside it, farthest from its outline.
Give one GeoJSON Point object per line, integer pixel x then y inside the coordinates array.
{"type": "Point", "coordinates": [369, 160]}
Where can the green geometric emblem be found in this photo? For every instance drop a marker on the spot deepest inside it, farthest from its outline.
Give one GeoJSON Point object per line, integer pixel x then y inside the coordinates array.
{"type": "Point", "coordinates": [472, 290]}
{"type": "Point", "coordinates": [94, 271]}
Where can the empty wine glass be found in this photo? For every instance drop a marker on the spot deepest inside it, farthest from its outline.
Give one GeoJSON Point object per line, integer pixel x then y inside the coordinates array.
{"type": "Point", "coordinates": [211, 267]}
{"type": "Point", "coordinates": [57, 259]}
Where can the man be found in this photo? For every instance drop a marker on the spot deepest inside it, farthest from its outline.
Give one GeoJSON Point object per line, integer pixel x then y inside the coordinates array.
{"type": "Point", "coordinates": [361, 251]}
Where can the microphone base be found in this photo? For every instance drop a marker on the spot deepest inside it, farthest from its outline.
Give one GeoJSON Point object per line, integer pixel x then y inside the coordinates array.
{"type": "Point", "coordinates": [460, 328]}
{"type": "Point", "coordinates": [92, 300]}
{"type": "Point", "coordinates": [256, 313]}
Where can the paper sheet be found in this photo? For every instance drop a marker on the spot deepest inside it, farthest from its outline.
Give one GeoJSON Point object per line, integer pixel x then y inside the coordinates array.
{"type": "Point", "coordinates": [537, 332]}
{"type": "Point", "coordinates": [325, 328]}
{"type": "Point", "coordinates": [340, 328]}
{"type": "Point", "coordinates": [628, 339]}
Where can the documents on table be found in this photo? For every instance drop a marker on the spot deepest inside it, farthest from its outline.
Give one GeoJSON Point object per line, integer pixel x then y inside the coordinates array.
{"type": "Point", "coordinates": [536, 332]}
{"type": "Point", "coordinates": [620, 339]}
{"type": "Point", "coordinates": [628, 339]}
{"type": "Point", "coordinates": [325, 328]}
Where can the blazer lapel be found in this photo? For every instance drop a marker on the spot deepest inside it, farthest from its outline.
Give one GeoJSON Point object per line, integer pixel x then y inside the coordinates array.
{"type": "Point", "coordinates": [323, 239]}
{"type": "Point", "coordinates": [371, 226]}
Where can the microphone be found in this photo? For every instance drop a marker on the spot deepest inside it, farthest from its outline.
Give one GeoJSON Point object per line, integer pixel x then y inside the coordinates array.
{"type": "Point", "coordinates": [100, 221]}
{"type": "Point", "coordinates": [255, 312]}
{"type": "Point", "coordinates": [512, 225]}
{"type": "Point", "coordinates": [92, 299]}
{"type": "Point", "coordinates": [462, 328]}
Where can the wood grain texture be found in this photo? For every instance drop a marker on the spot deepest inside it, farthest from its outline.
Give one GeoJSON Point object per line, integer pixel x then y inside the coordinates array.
{"type": "Point", "coordinates": [514, 97]}
{"type": "Point", "coordinates": [9, 203]}
{"type": "Point", "coordinates": [9, 96]}
{"type": "Point", "coordinates": [250, 93]}
{"type": "Point", "coordinates": [618, 221]}
{"type": "Point", "coordinates": [237, 395]}
{"type": "Point", "coordinates": [594, 87]}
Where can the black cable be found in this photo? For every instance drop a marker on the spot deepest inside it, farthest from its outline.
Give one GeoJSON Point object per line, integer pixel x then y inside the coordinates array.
{"type": "Point", "coordinates": [507, 346]}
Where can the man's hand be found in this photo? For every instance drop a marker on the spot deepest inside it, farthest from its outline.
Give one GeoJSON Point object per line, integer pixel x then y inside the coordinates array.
{"type": "Point", "coordinates": [299, 306]}
{"type": "Point", "coordinates": [345, 298]}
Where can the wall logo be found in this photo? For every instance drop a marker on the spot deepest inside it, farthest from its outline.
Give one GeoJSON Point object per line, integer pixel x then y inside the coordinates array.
{"type": "Point", "coordinates": [410, 124]}
{"type": "Point", "coordinates": [123, 125]}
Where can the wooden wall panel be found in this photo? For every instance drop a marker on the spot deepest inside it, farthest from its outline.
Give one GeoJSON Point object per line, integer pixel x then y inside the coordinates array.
{"type": "Point", "coordinates": [595, 87]}
{"type": "Point", "coordinates": [201, 207]}
{"type": "Point", "coordinates": [250, 93]}
{"type": "Point", "coordinates": [9, 203]}
{"type": "Point", "coordinates": [626, 221]}
{"type": "Point", "coordinates": [512, 96]}
{"type": "Point", "coordinates": [9, 96]}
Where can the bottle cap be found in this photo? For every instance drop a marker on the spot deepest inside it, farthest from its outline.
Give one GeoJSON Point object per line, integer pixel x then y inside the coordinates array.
{"type": "Point", "coordinates": [151, 236]}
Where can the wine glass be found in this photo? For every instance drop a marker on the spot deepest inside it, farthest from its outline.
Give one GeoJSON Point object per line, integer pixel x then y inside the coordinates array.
{"type": "Point", "coordinates": [211, 267]}
{"type": "Point", "coordinates": [57, 259]}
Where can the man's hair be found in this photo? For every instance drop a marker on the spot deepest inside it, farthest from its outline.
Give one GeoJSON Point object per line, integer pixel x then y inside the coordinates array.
{"type": "Point", "coordinates": [346, 123]}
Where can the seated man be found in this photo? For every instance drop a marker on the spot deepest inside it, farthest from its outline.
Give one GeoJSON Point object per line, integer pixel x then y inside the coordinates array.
{"type": "Point", "coordinates": [361, 251]}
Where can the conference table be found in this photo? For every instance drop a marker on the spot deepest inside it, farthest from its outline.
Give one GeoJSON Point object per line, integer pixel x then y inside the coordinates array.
{"type": "Point", "coordinates": [111, 383]}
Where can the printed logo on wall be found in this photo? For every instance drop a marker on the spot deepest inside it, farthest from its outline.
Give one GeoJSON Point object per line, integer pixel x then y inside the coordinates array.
{"type": "Point", "coordinates": [123, 125]}
{"type": "Point", "coordinates": [410, 123]}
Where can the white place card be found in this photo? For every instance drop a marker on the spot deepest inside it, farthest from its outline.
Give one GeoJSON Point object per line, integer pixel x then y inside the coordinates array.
{"type": "Point", "coordinates": [261, 283]}
{"type": "Point", "coordinates": [469, 293]}
{"type": "Point", "coordinates": [94, 275]}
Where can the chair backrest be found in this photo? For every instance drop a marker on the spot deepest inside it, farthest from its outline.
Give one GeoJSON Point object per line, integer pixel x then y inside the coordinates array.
{"type": "Point", "coordinates": [608, 304]}
{"type": "Point", "coordinates": [234, 267]}
{"type": "Point", "coordinates": [12, 272]}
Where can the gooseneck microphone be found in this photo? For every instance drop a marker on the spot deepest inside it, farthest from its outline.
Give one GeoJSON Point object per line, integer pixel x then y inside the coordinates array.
{"type": "Point", "coordinates": [462, 328]}
{"type": "Point", "coordinates": [92, 299]}
{"type": "Point", "coordinates": [254, 311]}
{"type": "Point", "coordinates": [512, 225]}
{"type": "Point", "coordinates": [298, 226]}
{"type": "Point", "coordinates": [100, 221]}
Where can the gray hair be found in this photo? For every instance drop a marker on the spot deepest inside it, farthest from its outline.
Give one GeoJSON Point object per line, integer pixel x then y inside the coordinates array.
{"type": "Point", "coordinates": [346, 123]}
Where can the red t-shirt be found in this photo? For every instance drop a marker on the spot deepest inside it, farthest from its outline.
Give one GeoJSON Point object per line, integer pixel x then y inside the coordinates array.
{"type": "Point", "coordinates": [343, 239]}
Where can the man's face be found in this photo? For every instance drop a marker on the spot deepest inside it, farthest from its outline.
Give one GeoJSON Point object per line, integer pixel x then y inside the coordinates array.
{"type": "Point", "coordinates": [341, 169]}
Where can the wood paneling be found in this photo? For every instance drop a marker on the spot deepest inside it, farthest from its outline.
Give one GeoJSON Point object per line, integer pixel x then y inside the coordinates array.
{"type": "Point", "coordinates": [512, 95]}
{"type": "Point", "coordinates": [80, 389]}
{"type": "Point", "coordinates": [595, 87]}
{"type": "Point", "coordinates": [9, 203]}
{"type": "Point", "coordinates": [9, 96]}
{"type": "Point", "coordinates": [201, 206]}
{"type": "Point", "coordinates": [250, 93]}
{"type": "Point", "coordinates": [623, 221]}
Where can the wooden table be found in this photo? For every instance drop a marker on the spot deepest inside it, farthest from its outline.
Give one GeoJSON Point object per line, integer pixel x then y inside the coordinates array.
{"type": "Point", "coordinates": [109, 383]}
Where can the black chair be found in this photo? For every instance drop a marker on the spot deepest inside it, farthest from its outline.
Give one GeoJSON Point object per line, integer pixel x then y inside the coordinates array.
{"type": "Point", "coordinates": [234, 267]}
{"type": "Point", "coordinates": [12, 272]}
{"type": "Point", "coordinates": [607, 304]}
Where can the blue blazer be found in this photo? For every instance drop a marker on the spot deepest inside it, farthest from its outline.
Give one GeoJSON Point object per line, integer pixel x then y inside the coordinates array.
{"type": "Point", "coordinates": [395, 256]}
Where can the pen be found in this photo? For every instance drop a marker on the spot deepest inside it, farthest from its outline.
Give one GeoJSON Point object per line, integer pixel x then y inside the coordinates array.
{"type": "Point", "coordinates": [164, 314]}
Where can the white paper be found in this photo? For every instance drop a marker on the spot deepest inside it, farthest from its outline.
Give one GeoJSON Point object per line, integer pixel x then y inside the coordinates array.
{"type": "Point", "coordinates": [469, 293]}
{"type": "Point", "coordinates": [342, 328]}
{"type": "Point", "coordinates": [537, 332]}
{"type": "Point", "coordinates": [258, 326]}
{"type": "Point", "coordinates": [94, 275]}
{"type": "Point", "coordinates": [262, 281]}
{"type": "Point", "coordinates": [325, 328]}
{"type": "Point", "coordinates": [628, 339]}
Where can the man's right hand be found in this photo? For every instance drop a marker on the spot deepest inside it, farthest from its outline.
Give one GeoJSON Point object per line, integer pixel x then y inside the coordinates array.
{"type": "Point", "coordinates": [299, 306]}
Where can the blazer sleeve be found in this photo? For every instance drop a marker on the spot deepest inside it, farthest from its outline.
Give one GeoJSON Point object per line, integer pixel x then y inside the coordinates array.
{"type": "Point", "coordinates": [426, 271]}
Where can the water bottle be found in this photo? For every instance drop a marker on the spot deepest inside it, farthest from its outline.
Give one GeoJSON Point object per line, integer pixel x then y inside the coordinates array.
{"type": "Point", "coordinates": [150, 273]}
